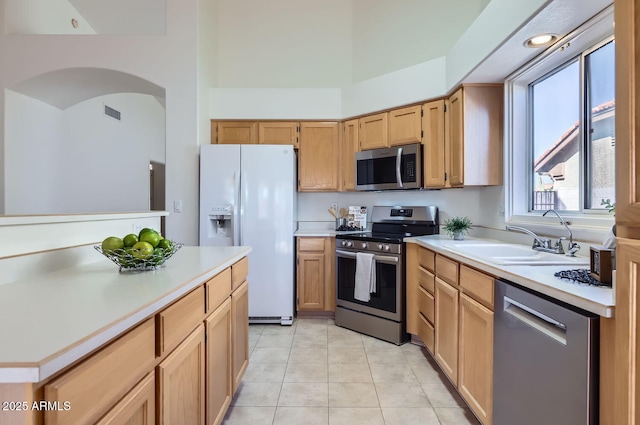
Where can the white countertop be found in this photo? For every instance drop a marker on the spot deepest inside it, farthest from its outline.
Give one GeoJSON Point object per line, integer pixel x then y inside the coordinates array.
{"type": "Point", "coordinates": [325, 232]}
{"type": "Point", "coordinates": [50, 322]}
{"type": "Point", "coordinates": [598, 300]}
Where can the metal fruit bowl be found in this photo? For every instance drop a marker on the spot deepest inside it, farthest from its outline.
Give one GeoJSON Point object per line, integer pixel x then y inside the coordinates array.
{"type": "Point", "coordinates": [126, 261]}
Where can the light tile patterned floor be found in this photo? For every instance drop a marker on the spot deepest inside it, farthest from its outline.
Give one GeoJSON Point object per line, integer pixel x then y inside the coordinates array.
{"type": "Point", "coordinates": [316, 373]}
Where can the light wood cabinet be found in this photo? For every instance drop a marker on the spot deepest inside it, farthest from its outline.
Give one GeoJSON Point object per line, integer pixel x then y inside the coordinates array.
{"type": "Point", "coordinates": [405, 126]}
{"type": "Point", "coordinates": [433, 143]}
{"type": "Point", "coordinates": [318, 157]}
{"type": "Point", "coordinates": [219, 363]}
{"type": "Point", "coordinates": [138, 407]}
{"type": "Point", "coordinates": [450, 307]}
{"type": "Point", "coordinates": [180, 318]}
{"type": "Point", "coordinates": [278, 133]}
{"type": "Point", "coordinates": [373, 131]}
{"type": "Point", "coordinates": [315, 274]}
{"type": "Point", "coordinates": [234, 132]}
{"type": "Point", "coordinates": [240, 332]}
{"type": "Point", "coordinates": [475, 370]}
{"type": "Point", "coordinates": [474, 136]}
{"type": "Point", "coordinates": [446, 329]}
{"type": "Point", "coordinates": [181, 379]}
{"type": "Point", "coordinates": [94, 386]}
{"type": "Point", "coordinates": [348, 151]}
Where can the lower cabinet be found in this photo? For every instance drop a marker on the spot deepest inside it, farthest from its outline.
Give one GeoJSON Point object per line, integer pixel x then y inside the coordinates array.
{"type": "Point", "coordinates": [180, 366]}
{"type": "Point", "coordinates": [138, 407]}
{"type": "Point", "coordinates": [315, 274]}
{"type": "Point", "coordinates": [181, 379]}
{"type": "Point", "coordinates": [460, 333]}
{"type": "Point", "coordinates": [240, 332]}
{"type": "Point", "coordinates": [446, 329]}
{"type": "Point", "coordinates": [219, 363]}
{"type": "Point", "coordinates": [475, 371]}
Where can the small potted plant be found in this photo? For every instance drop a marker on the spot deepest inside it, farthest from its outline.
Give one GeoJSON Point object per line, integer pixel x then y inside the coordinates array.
{"type": "Point", "coordinates": [456, 227]}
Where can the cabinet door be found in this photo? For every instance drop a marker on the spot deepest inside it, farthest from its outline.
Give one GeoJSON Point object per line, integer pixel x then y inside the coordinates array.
{"type": "Point", "coordinates": [433, 143]}
{"type": "Point", "coordinates": [311, 281]}
{"type": "Point", "coordinates": [412, 288]}
{"type": "Point", "coordinates": [278, 133]}
{"type": "Point", "coordinates": [446, 329]}
{"type": "Point", "coordinates": [475, 373]}
{"type": "Point", "coordinates": [138, 407]}
{"type": "Point", "coordinates": [219, 363]}
{"type": "Point", "coordinates": [181, 383]}
{"type": "Point", "coordinates": [318, 157]}
{"type": "Point", "coordinates": [454, 138]}
{"type": "Point", "coordinates": [348, 157]}
{"type": "Point", "coordinates": [236, 132]}
{"type": "Point", "coordinates": [405, 126]}
{"type": "Point", "coordinates": [240, 332]}
{"type": "Point", "coordinates": [373, 131]}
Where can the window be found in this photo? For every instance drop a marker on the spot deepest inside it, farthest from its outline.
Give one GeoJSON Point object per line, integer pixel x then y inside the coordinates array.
{"type": "Point", "coordinates": [560, 134]}
{"type": "Point", "coordinates": [572, 136]}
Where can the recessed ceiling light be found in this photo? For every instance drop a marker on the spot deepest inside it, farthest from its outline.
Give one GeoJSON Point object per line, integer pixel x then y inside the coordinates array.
{"type": "Point", "coordinates": [541, 40]}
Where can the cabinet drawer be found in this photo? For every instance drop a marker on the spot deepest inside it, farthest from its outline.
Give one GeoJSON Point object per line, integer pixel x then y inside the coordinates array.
{"type": "Point", "coordinates": [311, 244]}
{"type": "Point", "coordinates": [239, 272]}
{"type": "Point", "coordinates": [477, 284]}
{"type": "Point", "coordinates": [179, 319]}
{"type": "Point", "coordinates": [447, 270]}
{"type": "Point", "coordinates": [426, 280]}
{"type": "Point", "coordinates": [218, 289]}
{"type": "Point", "coordinates": [426, 333]}
{"type": "Point", "coordinates": [426, 259]}
{"type": "Point", "coordinates": [426, 304]}
{"type": "Point", "coordinates": [97, 383]}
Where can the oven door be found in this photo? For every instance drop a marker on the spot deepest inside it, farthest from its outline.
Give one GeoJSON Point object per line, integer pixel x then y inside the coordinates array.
{"type": "Point", "coordinates": [387, 300]}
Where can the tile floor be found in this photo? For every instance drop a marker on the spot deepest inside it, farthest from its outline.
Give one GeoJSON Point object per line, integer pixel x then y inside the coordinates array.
{"type": "Point", "coordinates": [316, 373]}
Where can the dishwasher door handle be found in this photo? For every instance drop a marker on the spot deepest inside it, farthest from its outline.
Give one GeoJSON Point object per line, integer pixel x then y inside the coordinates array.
{"type": "Point", "coordinates": [533, 318]}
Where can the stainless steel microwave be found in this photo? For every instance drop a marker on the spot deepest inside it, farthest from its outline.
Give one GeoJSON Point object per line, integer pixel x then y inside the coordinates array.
{"type": "Point", "coordinates": [399, 167]}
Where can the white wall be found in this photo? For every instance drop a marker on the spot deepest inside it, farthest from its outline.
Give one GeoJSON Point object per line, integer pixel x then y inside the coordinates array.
{"type": "Point", "coordinates": [284, 43]}
{"type": "Point", "coordinates": [391, 35]}
{"type": "Point", "coordinates": [169, 61]}
{"type": "Point", "coordinates": [43, 17]}
{"type": "Point", "coordinates": [80, 160]}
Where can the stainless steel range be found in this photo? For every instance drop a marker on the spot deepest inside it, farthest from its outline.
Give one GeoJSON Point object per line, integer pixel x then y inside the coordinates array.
{"type": "Point", "coordinates": [383, 316]}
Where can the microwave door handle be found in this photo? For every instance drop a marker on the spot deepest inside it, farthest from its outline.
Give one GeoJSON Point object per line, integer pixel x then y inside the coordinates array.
{"type": "Point", "coordinates": [398, 163]}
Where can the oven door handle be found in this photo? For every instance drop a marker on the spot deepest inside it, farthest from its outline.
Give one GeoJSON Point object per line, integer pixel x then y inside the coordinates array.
{"type": "Point", "coordinates": [378, 258]}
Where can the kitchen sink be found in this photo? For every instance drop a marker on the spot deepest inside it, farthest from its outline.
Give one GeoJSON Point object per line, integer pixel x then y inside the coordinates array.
{"type": "Point", "coordinates": [512, 254]}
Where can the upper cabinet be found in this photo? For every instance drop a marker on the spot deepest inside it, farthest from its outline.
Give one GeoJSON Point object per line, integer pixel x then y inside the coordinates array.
{"type": "Point", "coordinates": [433, 169]}
{"type": "Point", "coordinates": [405, 126]}
{"type": "Point", "coordinates": [234, 132]}
{"type": "Point", "coordinates": [373, 132]}
{"type": "Point", "coordinates": [318, 157]}
{"type": "Point", "coordinates": [473, 136]}
{"type": "Point", "coordinates": [349, 147]}
{"type": "Point", "coordinates": [278, 133]}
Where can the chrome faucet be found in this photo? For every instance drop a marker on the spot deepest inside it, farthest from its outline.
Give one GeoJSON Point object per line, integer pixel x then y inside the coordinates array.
{"type": "Point", "coordinates": [573, 247]}
{"type": "Point", "coordinates": [539, 244]}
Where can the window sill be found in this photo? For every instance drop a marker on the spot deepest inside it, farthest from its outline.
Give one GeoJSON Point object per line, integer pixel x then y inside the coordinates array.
{"type": "Point", "coordinates": [593, 229]}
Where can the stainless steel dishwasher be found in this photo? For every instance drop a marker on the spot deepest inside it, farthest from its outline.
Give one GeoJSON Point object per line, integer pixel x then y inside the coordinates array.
{"type": "Point", "coordinates": [545, 360]}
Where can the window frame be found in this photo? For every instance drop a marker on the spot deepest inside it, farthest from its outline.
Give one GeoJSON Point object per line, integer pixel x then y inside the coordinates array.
{"type": "Point", "coordinates": [587, 224]}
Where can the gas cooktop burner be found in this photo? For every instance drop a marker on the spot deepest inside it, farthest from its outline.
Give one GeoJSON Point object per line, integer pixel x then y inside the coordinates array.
{"type": "Point", "coordinates": [579, 276]}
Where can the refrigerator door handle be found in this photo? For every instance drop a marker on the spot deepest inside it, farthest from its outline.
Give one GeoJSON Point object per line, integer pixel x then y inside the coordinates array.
{"type": "Point", "coordinates": [236, 208]}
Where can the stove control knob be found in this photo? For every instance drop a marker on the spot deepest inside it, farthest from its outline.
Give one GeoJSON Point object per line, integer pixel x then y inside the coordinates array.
{"type": "Point", "coordinates": [364, 245]}
{"type": "Point", "coordinates": [343, 243]}
{"type": "Point", "coordinates": [387, 248]}
{"type": "Point", "coordinates": [349, 244]}
{"type": "Point", "coordinates": [380, 246]}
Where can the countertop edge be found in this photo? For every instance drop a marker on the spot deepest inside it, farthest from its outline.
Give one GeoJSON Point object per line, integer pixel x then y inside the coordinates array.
{"type": "Point", "coordinates": [592, 306]}
{"type": "Point", "coordinates": [34, 373]}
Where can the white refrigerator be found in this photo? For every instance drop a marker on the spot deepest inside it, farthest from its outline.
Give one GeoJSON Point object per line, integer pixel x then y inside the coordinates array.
{"type": "Point", "coordinates": [248, 197]}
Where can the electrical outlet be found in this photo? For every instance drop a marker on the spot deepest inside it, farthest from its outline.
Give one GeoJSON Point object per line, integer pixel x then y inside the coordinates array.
{"type": "Point", "coordinates": [136, 228]}
{"type": "Point", "coordinates": [334, 205]}
{"type": "Point", "coordinates": [177, 206]}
